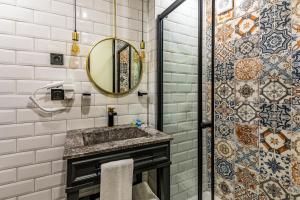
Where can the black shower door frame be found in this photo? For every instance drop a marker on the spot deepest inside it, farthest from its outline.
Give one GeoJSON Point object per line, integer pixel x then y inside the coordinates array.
{"type": "Point", "coordinates": [160, 98]}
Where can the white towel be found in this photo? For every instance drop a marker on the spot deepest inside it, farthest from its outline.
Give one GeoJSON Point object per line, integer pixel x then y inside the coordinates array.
{"type": "Point", "coordinates": [142, 191]}
{"type": "Point", "coordinates": [116, 180]}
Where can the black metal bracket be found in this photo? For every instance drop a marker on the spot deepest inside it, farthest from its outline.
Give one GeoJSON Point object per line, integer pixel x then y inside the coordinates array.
{"type": "Point", "coordinates": [204, 125]}
{"type": "Point", "coordinates": [142, 93]}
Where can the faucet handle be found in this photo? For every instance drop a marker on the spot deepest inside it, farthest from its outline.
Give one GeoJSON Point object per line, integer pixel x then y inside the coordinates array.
{"type": "Point", "coordinates": [111, 109]}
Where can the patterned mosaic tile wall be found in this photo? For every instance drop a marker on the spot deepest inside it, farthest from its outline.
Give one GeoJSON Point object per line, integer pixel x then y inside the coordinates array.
{"type": "Point", "coordinates": [257, 100]}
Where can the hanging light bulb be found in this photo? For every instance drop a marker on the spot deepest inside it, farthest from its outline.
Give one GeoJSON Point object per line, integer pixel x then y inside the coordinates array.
{"type": "Point", "coordinates": [75, 49]}
{"type": "Point", "coordinates": [142, 47]}
{"type": "Point", "coordinates": [74, 62]}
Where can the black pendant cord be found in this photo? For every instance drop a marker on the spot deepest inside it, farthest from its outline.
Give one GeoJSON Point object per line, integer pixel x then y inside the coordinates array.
{"type": "Point", "coordinates": [142, 20]}
{"type": "Point", "coordinates": [75, 18]}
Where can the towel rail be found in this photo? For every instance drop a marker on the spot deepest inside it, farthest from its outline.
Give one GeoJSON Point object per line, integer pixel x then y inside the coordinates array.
{"type": "Point", "coordinates": [85, 171]}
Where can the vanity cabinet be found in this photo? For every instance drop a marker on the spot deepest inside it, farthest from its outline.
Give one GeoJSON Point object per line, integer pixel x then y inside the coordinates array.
{"type": "Point", "coordinates": [85, 171]}
{"type": "Point", "coordinates": [87, 149]}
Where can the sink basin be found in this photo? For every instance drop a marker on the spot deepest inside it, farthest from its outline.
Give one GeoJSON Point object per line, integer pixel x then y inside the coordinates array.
{"type": "Point", "coordinates": [111, 135]}
{"type": "Point", "coordinates": [92, 141]}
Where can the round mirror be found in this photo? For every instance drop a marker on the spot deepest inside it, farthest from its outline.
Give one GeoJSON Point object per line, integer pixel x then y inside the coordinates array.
{"type": "Point", "coordinates": [114, 66]}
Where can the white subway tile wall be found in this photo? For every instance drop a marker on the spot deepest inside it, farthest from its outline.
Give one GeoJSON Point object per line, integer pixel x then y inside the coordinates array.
{"type": "Point", "coordinates": [180, 92]}
{"type": "Point", "coordinates": [31, 142]}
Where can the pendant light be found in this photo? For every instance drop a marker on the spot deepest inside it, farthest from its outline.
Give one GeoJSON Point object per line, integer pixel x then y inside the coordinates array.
{"type": "Point", "coordinates": [142, 44]}
{"type": "Point", "coordinates": [75, 49]}
{"type": "Point", "coordinates": [75, 35]}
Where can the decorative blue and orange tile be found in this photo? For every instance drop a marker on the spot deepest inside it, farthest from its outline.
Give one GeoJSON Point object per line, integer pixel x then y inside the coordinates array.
{"type": "Point", "coordinates": [224, 129]}
{"type": "Point", "coordinates": [296, 118]}
{"type": "Point", "coordinates": [246, 91]}
{"type": "Point", "coordinates": [262, 195]}
{"type": "Point", "coordinates": [296, 74]}
{"type": "Point", "coordinates": [277, 167]}
{"type": "Point", "coordinates": [247, 47]}
{"type": "Point", "coordinates": [296, 146]}
{"type": "Point", "coordinates": [271, 189]}
{"type": "Point", "coordinates": [247, 135]}
{"type": "Point", "coordinates": [243, 7]}
{"type": "Point", "coordinates": [241, 193]}
{"type": "Point", "coordinates": [296, 57]}
{"type": "Point", "coordinates": [295, 187]}
{"type": "Point", "coordinates": [276, 41]}
{"type": "Point", "coordinates": [225, 149]}
{"type": "Point", "coordinates": [275, 15]}
{"type": "Point", "coordinates": [295, 175]}
{"type": "Point", "coordinates": [282, 11]}
{"type": "Point", "coordinates": [247, 25]}
{"type": "Point", "coordinates": [224, 110]}
{"type": "Point", "coordinates": [225, 32]}
{"type": "Point", "coordinates": [276, 65]}
{"type": "Point", "coordinates": [295, 196]}
{"type": "Point", "coordinates": [247, 112]}
{"type": "Point", "coordinates": [258, 82]}
{"type": "Point", "coordinates": [247, 69]}
{"type": "Point", "coordinates": [224, 90]}
{"type": "Point", "coordinates": [224, 188]}
{"type": "Point", "coordinates": [296, 60]}
{"type": "Point", "coordinates": [225, 52]}
{"type": "Point", "coordinates": [275, 90]}
{"type": "Point", "coordinates": [224, 168]}
{"type": "Point", "coordinates": [296, 17]}
{"type": "Point", "coordinates": [247, 157]}
{"type": "Point", "coordinates": [224, 71]}
{"type": "Point", "coordinates": [267, 18]}
{"type": "Point", "coordinates": [274, 141]}
{"type": "Point", "coordinates": [224, 17]}
{"type": "Point", "coordinates": [247, 178]}
{"type": "Point", "coordinates": [275, 116]}
{"type": "Point", "coordinates": [275, 24]}
{"type": "Point", "coordinates": [296, 94]}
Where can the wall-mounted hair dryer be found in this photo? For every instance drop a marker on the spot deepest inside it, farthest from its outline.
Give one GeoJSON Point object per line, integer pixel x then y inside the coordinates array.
{"type": "Point", "coordinates": [68, 93]}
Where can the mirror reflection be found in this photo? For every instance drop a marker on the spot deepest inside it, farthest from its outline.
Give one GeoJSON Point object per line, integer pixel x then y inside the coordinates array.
{"type": "Point", "coordinates": [114, 66]}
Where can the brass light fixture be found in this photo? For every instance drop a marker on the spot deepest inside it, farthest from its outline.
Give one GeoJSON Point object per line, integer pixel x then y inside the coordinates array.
{"type": "Point", "coordinates": [142, 44]}
{"type": "Point", "coordinates": [75, 36]}
{"type": "Point", "coordinates": [75, 49]}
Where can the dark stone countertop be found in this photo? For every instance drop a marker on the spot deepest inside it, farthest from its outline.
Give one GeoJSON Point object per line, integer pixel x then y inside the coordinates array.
{"type": "Point", "coordinates": [84, 142]}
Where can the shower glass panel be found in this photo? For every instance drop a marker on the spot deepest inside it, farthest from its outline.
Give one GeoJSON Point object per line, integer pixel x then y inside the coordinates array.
{"type": "Point", "coordinates": [184, 89]}
{"type": "Point", "coordinates": [180, 97]}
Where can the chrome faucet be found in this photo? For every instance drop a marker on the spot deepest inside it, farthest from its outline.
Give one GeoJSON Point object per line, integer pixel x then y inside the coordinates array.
{"type": "Point", "coordinates": [111, 115]}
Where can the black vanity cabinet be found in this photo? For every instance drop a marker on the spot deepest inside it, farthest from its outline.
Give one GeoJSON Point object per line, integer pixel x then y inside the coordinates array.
{"type": "Point", "coordinates": [85, 171]}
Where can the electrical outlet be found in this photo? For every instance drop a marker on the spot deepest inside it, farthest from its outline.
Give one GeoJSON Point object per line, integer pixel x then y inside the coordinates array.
{"type": "Point", "coordinates": [56, 59]}
{"type": "Point", "coordinates": [57, 94]}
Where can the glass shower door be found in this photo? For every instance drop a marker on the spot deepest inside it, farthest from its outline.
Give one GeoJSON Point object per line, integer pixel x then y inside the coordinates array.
{"type": "Point", "coordinates": [184, 90]}
{"type": "Point", "coordinates": [180, 96]}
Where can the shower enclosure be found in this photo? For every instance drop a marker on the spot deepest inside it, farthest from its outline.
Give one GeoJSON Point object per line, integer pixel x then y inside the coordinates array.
{"type": "Point", "coordinates": [184, 46]}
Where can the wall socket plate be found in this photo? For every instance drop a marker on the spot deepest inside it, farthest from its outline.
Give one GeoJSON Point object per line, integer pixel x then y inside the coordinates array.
{"type": "Point", "coordinates": [57, 94]}
{"type": "Point", "coordinates": [56, 59]}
